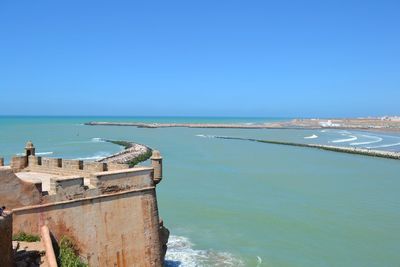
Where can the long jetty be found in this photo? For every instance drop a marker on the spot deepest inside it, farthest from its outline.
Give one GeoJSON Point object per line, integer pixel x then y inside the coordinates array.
{"type": "Point", "coordinates": [186, 125]}
{"type": "Point", "coordinates": [293, 125]}
{"type": "Point", "coordinates": [348, 150]}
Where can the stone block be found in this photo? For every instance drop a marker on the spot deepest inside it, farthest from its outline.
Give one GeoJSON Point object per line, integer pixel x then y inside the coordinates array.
{"type": "Point", "coordinates": [19, 163]}
{"type": "Point", "coordinates": [69, 184]}
{"type": "Point", "coordinates": [94, 166]}
{"type": "Point", "coordinates": [70, 164]}
{"type": "Point", "coordinates": [33, 161]}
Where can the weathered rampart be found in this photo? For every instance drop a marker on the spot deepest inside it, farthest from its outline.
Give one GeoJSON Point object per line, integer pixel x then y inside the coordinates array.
{"type": "Point", "coordinates": [60, 166]}
{"type": "Point", "coordinates": [108, 209]}
{"type": "Point", "coordinates": [117, 229]}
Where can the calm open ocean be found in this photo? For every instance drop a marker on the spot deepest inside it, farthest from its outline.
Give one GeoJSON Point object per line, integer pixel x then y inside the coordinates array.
{"type": "Point", "coordinates": [239, 203]}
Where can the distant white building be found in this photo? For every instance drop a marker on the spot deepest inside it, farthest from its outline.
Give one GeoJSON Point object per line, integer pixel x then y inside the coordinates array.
{"type": "Point", "coordinates": [390, 118]}
{"type": "Point", "coordinates": [329, 124]}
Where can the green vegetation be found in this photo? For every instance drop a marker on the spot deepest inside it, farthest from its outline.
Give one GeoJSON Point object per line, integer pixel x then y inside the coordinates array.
{"type": "Point", "coordinates": [24, 237]}
{"type": "Point", "coordinates": [69, 254]}
{"type": "Point", "coordinates": [125, 144]}
{"type": "Point", "coordinates": [141, 158]}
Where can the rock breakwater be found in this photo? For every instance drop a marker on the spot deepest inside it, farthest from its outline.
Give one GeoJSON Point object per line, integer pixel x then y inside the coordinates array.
{"type": "Point", "coordinates": [132, 154]}
{"type": "Point", "coordinates": [349, 150]}
{"type": "Point", "coordinates": [186, 125]}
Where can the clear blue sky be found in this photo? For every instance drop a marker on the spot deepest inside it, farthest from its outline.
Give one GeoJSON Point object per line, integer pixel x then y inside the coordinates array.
{"type": "Point", "coordinates": [220, 58]}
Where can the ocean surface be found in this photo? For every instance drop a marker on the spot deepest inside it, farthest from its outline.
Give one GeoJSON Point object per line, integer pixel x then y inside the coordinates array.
{"type": "Point", "coordinates": [240, 203]}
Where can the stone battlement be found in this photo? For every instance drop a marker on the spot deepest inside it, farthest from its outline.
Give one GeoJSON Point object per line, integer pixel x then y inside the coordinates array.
{"type": "Point", "coordinates": [62, 166]}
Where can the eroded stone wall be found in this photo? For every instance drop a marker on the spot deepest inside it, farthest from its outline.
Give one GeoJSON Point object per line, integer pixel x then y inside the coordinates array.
{"type": "Point", "coordinates": [120, 229]}
{"type": "Point", "coordinates": [16, 193]}
{"type": "Point", "coordinates": [123, 179]}
{"type": "Point", "coordinates": [6, 252]}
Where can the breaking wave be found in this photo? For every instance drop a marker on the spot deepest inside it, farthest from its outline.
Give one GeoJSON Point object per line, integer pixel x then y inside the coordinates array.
{"type": "Point", "coordinates": [97, 156]}
{"type": "Point", "coordinates": [97, 140]}
{"type": "Point", "coordinates": [259, 261]}
{"type": "Point", "coordinates": [352, 138]}
{"type": "Point", "coordinates": [181, 253]}
{"type": "Point", "coordinates": [205, 136]}
{"type": "Point", "coordinates": [311, 137]}
{"type": "Point", "coordinates": [376, 139]}
{"type": "Point", "coordinates": [44, 153]}
{"type": "Point", "coordinates": [37, 153]}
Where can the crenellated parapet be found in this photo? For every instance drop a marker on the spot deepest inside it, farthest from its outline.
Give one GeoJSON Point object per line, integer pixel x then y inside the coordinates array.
{"type": "Point", "coordinates": [52, 176]}
{"type": "Point", "coordinates": [61, 166]}
{"type": "Point", "coordinates": [19, 163]}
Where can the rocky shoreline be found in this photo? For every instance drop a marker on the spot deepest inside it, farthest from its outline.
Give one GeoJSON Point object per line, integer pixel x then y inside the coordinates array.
{"type": "Point", "coordinates": [133, 153]}
{"type": "Point", "coordinates": [348, 150]}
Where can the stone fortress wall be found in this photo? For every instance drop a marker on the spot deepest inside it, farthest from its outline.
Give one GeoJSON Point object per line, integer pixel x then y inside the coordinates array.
{"type": "Point", "coordinates": [108, 209]}
{"type": "Point", "coordinates": [6, 251]}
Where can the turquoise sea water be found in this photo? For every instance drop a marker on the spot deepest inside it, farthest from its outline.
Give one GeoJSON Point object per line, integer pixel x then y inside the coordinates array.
{"type": "Point", "coordinates": [238, 203]}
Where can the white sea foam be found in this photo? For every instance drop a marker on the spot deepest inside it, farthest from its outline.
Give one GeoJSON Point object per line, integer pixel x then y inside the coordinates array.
{"type": "Point", "coordinates": [205, 136]}
{"type": "Point", "coordinates": [44, 153]}
{"type": "Point", "coordinates": [259, 261]}
{"type": "Point", "coordinates": [96, 156]}
{"type": "Point", "coordinates": [387, 145]}
{"type": "Point", "coordinates": [97, 139]}
{"type": "Point", "coordinates": [352, 138]}
{"type": "Point", "coordinates": [181, 253]}
{"type": "Point", "coordinates": [311, 137]}
{"type": "Point", "coordinates": [376, 139]}
{"type": "Point", "coordinates": [37, 153]}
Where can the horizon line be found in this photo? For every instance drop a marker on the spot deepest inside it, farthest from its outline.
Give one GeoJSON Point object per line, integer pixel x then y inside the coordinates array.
{"type": "Point", "coordinates": [201, 116]}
